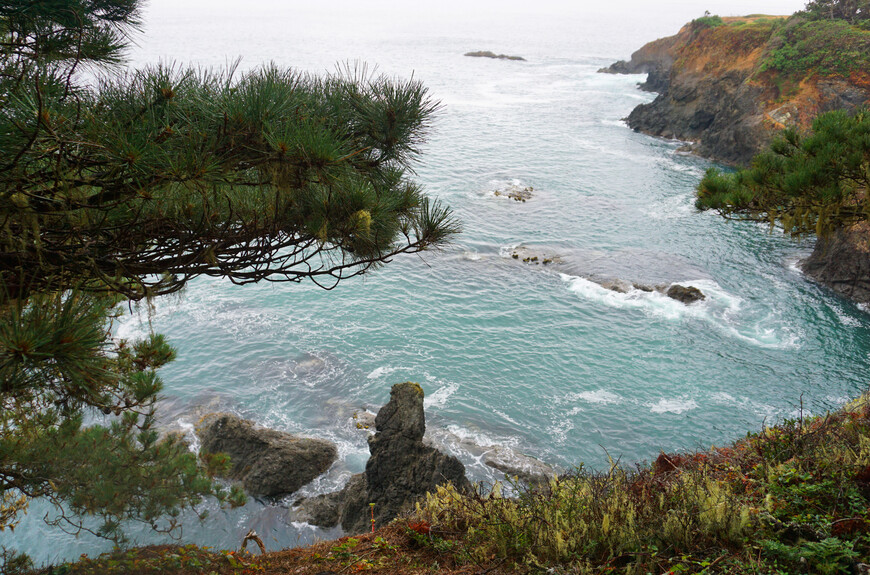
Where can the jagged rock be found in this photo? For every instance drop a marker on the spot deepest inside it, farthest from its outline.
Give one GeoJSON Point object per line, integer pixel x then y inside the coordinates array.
{"type": "Point", "coordinates": [401, 469]}
{"type": "Point", "coordinates": [842, 262]}
{"type": "Point", "coordinates": [363, 419]}
{"type": "Point", "coordinates": [488, 54]}
{"type": "Point", "coordinates": [617, 285]}
{"type": "Point", "coordinates": [266, 462]}
{"type": "Point", "coordinates": [528, 470]}
{"type": "Point", "coordinates": [685, 294]}
{"type": "Point", "coordinates": [516, 193]}
{"type": "Point", "coordinates": [323, 510]}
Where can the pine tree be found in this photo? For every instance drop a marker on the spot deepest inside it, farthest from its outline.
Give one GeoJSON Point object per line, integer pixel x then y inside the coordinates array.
{"type": "Point", "coordinates": [128, 186]}
{"type": "Point", "coordinates": [853, 11]}
{"type": "Point", "coordinates": [813, 183]}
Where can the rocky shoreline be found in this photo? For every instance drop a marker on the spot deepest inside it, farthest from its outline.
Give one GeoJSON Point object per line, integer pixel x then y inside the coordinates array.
{"type": "Point", "coordinates": [402, 468]}
{"type": "Point", "coordinates": [713, 94]}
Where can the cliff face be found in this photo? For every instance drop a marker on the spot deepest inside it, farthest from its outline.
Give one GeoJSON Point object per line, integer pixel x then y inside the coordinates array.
{"type": "Point", "coordinates": [717, 91]}
{"type": "Point", "coordinates": [728, 88]}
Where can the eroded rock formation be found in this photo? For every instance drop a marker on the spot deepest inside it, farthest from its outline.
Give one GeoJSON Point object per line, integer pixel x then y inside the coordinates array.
{"type": "Point", "coordinates": [266, 462]}
{"type": "Point", "coordinates": [400, 471]}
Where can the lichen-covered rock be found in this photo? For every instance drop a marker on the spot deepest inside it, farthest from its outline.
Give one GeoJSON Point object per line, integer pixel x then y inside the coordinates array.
{"type": "Point", "coordinates": [266, 462]}
{"type": "Point", "coordinates": [842, 262]}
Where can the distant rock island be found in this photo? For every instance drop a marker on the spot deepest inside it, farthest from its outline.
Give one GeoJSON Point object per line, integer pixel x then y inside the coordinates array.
{"type": "Point", "coordinates": [488, 54]}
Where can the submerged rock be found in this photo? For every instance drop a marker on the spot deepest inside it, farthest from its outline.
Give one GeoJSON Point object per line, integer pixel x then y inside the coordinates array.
{"type": "Point", "coordinates": [266, 462]}
{"type": "Point", "coordinates": [488, 54]}
{"type": "Point", "coordinates": [516, 193]}
{"type": "Point", "coordinates": [533, 472]}
{"type": "Point", "coordinates": [685, 294]}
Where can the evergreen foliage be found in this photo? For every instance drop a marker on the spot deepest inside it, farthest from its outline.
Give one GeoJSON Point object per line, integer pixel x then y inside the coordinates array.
{"type": "Point", "coordinates": [853, 11]}
{"type": "Point", "coordinates": [813, 183]}
{"type": "Point", "coordinates": [128, 185]}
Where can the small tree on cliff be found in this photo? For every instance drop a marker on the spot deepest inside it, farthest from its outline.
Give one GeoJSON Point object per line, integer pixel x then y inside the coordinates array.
{"type": "Point", "coordinates": [129, 188]}
{"type": "Point", "coordinates": [853, 11]}
{"type": "Point", "coordinates": [813, 183]}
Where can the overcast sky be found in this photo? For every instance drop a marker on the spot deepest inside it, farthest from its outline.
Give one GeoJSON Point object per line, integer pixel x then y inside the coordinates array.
{"type": "Point", "coordinates": [211, 32]}
{"type": "Point", "coordinates": [458, 7]}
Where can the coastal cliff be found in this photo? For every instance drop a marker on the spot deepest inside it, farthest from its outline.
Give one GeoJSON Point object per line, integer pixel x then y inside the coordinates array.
{"type": "Point", "coordinates": [726, 86]}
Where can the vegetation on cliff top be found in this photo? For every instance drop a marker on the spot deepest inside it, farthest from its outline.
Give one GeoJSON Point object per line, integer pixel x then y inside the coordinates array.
{"type": "Point", "coordinates": [822, 47]}
{"type": "Point", "coordinates": [789, 50]}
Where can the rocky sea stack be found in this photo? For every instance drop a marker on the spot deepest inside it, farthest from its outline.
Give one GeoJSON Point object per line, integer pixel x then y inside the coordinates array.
{"type": "Point", "coordinates": [400, 471]}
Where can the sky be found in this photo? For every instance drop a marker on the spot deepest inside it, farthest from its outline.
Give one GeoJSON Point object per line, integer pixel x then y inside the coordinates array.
{"type": "Point", "coordinates": [680, 8]}
{"type": "Point", "coordinates": [212, 32]}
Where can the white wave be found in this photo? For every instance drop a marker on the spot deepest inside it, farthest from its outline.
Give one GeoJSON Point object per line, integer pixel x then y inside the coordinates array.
{"type": "Point", "coordinates": [559, 431]}
{"type": "Point", "coordinates": [382, 371]}
{"type": "Point", "coordinates": [617, 123]}
{"type": "Point", "coordinates": [190, 435]}
{"type": "Point", "coordinates": [676, 405]}
{"type": "Point", "coordinates": [475, 436]}
{"type": "Point", "coordinates": [674, 207]}
{"type": "Point", "coordinates": [723, 397]}
{"type": "Point", "coordinates": [845, 319]}
{"type": "Point", "coordinates": [597, 396]}
{"type": "Point", "coordinates": [793, 264]}
{"type": "Point", "coordinates": [677, 166]}
{"type": "Point", "coordinates": [653, 303]}
{"type": "Point", "coordinates": [439, 398]}
{"type": "Point", "coordinates": [303, 525]}
{"type": "Point", "coordinates": [506, 417]}
{"type": "Point", "coordinates": [720, 308]}
{"type": "Point", "coordinates": [507, 251]}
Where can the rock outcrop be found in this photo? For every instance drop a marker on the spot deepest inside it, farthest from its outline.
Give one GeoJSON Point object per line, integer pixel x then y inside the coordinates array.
{"type": "Point", "coordinates": [400, 471]}
{"type": "Point", "coordinates": [516, 193]}
{"type": "Point", "coordinates": [841, 261]}
{"type": "Point", "coordinates": [685, 294]}
{"type": "Point", "coordinates": [715, 93]}
{"type": "Point", "coordinates": [493, 55]}
{"type": "Point", "coordinates": [267, 462]}
{"type": "Point", "coordinates": [559, 261]}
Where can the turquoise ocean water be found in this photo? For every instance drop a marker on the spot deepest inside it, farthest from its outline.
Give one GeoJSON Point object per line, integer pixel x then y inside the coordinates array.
{"type": "Point", "coordinates": [510, 356]}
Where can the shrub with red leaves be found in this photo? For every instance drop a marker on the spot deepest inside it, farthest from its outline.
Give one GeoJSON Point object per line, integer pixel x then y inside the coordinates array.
{"type": "Point", "coordinates": [421, 527]}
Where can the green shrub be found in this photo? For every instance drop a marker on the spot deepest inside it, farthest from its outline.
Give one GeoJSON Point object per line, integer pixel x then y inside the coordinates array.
{"type": "Point", "coordinates": [595, 517]}
{"type": "Point", "coordinates": [708, 22]}
{"type": "Point", "coordinates": [789, 499]}
{"type": "Point", "coordinates": [826, 47]}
